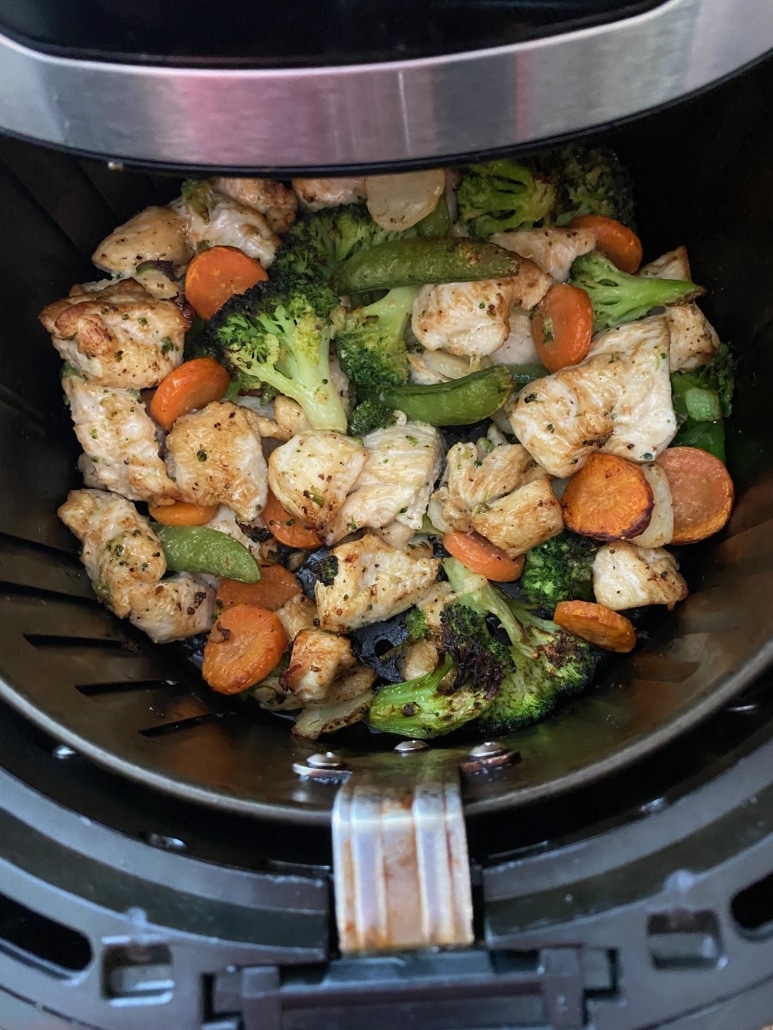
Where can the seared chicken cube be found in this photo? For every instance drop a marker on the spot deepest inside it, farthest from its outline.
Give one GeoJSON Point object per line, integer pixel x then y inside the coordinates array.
{"type": "Point", "coordinates": [317, 660]}
{"type": "Point", "coordinates": [403, 461]}
{"type": "Point", "coordinates": [119, 438]}
{"type": "Point", "coordinates": [694, 340]}
{"type": "Point", "coordinates": [627, 576]}
{"type": "Point", "coordinates": [618, 400]}
{"type": "Point", "coordinates": [224, 521]}
{"type": "Point", "coordinates": [315, 194]}
{"type": "Point", "coordinates": [125, 562]}
{"type": "Point", "coordinates": [155, 234]}
{"type": "Point", "coordinates": [216, 457]}
{"type": "Point", "coordinates": [675, 264]}
{"type": "Point", "coordinates": [214, 220]}
{"type": "Point", "coordinates": [473, 318]}
{"type": "Point", "coordinates": [523, 519]}
{"type": "Point", "coordinates": [554, 250]}
{"type": "Point", "coordinates": [311, 475]}
{"type": "Point", "coordinates": [275, 202]}
{"type": "Point", "coordinates": [118, 336]}
{"type": "Point", "coordinates": [297, 614]}
{"type": "Point", "coordinates": [373, 582]}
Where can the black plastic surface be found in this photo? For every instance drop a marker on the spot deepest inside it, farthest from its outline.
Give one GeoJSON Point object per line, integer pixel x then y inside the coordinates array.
{"type": "Point", "coordinates": [296, 33]}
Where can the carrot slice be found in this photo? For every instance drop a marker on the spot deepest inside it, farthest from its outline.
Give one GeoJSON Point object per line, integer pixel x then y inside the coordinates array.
{"type": "Point", "coordinates": [276, 586]}
{"type": "Point", "coordinates": [701, 492]}
{"type": "Point", "coordinates": [216, 274]}
{"type": "Point", "coordinates": [616, 241]}
{"type": "Point", "coordinates": [190, 386]}
{"type": "Point", "coordinates": [182, 513]}
{"type": "Point", "coordinates": [479, 555]}
{"type": "Point", "coordinates": [286, 528]}
{"type": "Point", "coordinates": [597, 624]}
{"type": "Point", "coordinates": [562, 326]}
{"type": "Point", "coordinates": [608, 499]}
{"type": "Point", "coordinates": [244, 646]}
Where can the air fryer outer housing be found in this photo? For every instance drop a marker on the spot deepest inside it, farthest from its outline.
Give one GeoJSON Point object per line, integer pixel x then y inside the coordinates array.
{"type": "Point", "coordinates": [628, 896]}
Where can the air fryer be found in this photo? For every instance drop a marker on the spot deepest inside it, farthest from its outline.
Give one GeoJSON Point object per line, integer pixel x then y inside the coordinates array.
{"type": "Point", "coordinates": [162, 856]}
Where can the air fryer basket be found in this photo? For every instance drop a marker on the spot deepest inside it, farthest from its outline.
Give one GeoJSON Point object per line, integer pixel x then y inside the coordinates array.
{"type": "Point", "coordinates": [704, 177]}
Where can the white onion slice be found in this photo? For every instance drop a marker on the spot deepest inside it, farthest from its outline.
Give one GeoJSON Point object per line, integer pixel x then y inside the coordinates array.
{"type": "Point", "coordinates": [399, 201]}
{"type": "Point", "coordinates": [661, 527]}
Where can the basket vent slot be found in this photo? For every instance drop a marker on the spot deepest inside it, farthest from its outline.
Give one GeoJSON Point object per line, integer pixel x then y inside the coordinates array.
{"type": "Point", "coordinates": [752, 907]}
{"type": "Point", "coordinates": [164, 729]}
{"type": "Point", "coordinates": [43, 942]}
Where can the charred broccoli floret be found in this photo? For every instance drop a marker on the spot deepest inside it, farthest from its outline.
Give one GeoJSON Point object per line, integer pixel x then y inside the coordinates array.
{"type": "Point", "coordinates": [560, 569]}
{"type": "Point", "coordinates": [428, 706]}
{"type": "Point", "coordinates": [319, 241]}
{"type": "Point", "coordinates": [371, 343]}
{"type": "Point", "coordinates": [547, 662]}
{"type": "Point", "coordinates": [499, 195]}
{"type": "Point", "coordinates": [590, 181]}
{"type": "Point", "coordinates": [278, 333]}
{"type": "Point", "coordinates": [618, 297]}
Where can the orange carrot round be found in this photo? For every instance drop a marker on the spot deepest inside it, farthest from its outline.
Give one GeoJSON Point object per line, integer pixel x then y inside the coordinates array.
{"type": "Point", "coordinates": [608, 499]}
{"type": "Point", "coordinates": [562, 326]}
{"type": "Point", "coordinates": [614, 240]}
{"type": "Point", "coordinates": [286, 528]}
{"type": "Point", "coordinates": [701, 492]}
{"type": "Point", "coordinates": [482, 557]}
{"type": "Point", "coordinates": [190, 386]}
{"type": "Point", "coordinates": [276, 586]}
{"type": "Point", "coordinates": [182, 513]}
{"type": "Point", "coordinates": [216, 274]}
{"type": "Point", "coordinates": [244, 646]}
{"type": "Point", "coordinates": [597, 624]}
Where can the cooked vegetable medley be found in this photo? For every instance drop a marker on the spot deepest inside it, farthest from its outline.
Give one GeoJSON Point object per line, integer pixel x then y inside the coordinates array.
{"type": "Point", "coordinates": [424, 443]}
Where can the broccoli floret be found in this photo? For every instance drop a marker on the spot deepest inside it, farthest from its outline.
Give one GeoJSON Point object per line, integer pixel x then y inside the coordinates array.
{"type": "Point", "coordinates": [371, 415]}
{"type": "Point", "coordinates": [590, 181]}
{"type": "Point", "coordinates": [547, 661]}
{"type": "Point", "coordinates": [279, 333]}
{"type": "Point", "coordinates": [560, 569]}
{"type": "Point", "coordinates": [416, 625]}
{"type": "Point", "coordinates": [426, 706]}
{"type": "Point", "coordinates": [618, 297]}
{"type": "Point", "coordinates": [480, 658]}
{"type": "Point", "coordinates": [499, 195]}
{"type": "Point", "coordinates": [371, 343]}
{"type": "Point", "coordinates": [319, 241]}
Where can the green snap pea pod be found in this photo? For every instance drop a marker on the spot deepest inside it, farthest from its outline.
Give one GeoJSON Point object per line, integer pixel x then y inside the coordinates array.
{"type": "Point", "coordinates": [199, 549]}
{"type": "Point", "coordinates": [709, 436]}
{"type": "Point", "coordinates": [438, 221]}
{"type": "Point", "coordinates": [457, 403]}
{"type": "Point", "coordinates": [422, 259]}
{"type": "Point", "coordinates": [525, 374]}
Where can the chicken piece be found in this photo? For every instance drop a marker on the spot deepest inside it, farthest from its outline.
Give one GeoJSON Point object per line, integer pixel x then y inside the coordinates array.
{"type": "Point", "coordinates": [312, 474]}
{"type": "Point", "coordinates": [694, 340]}
{"type": "Point", "coordinates": [290, 416]}
{"type": "Point", "coordinates": [401, 466]}
{"type": "Point", "coordinates": [125, 563]}
{"type": "Point", "coordinates": [626, 576]}
{"type": "Point", "coordinates": [351, 684]}
{"type": "Point", "coordinates": [214, 220]}
{"type": "Point", "coordinates": [268, 427]}
{"type": "Point", "coordinates": [224, 521]}
{"type": "Point", "coordinates": [553, 250]}
{"type": "Point", "coordinates": [660, 530]}
{"type": "Point", "coordinates": [215, 457]}
{"type": "Point", "coordinates": [420, 659]}
{"type": "Point", "coordinates": [374, 581]}
{"type": "Point", "coordinates": [119, 438]}
{"type": "Point", "coordinates": [618, 400]}
{"type": "Point", "coordinates": [675, 264]}
{"type": "Point", "coordinates": [119, 336]}
{"type": "Point", "coordinates": [396, 534]}
{"type": "Point", "coordinates": [432, 604]}
{"type": "Point", "coordinates": [474, 476]}
{"type": "Point", "coordinates": [275, 202]}
{"type": "Point", "coordinates": [524, 518]}
{"type": "Point", "coordinates": [178, 607]}
{"type": "Point", "coordinates": [317, 660]}
{"type": "Point", "coordinates": [155, 234]}
{"type": "Point", "coordinates": [473, 318]}
{"type": "Point", "coordinates": [315, 194]}
{"type": "Point", "coordinates": [297, 614]}
{"type": "Point", "coordinates": [519, 347]}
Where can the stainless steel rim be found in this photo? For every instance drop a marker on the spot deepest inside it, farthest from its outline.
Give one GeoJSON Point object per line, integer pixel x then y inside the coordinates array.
{"type": "Point", "coordinates": [369, 115]}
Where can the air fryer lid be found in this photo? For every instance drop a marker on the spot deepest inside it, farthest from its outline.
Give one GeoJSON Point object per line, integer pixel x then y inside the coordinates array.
{"type": "Point", "coordinates": [360, 83]}
{"type": "Point", "coordinates": [87, 679]}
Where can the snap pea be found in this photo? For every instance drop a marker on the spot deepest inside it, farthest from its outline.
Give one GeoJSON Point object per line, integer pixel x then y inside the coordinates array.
{"type": "Point", "coordinates": [199, 549]}
{"type": "Point", "coordinates": [438, 221]}
{"type": "Point", "coordinates": [709, 436]}
{"type": "Point", "coordinates": [422, 259]}
{"type": "Point", "coordinates": [525, 374]}
{"type": "Point", "coordinates": [457, 403]}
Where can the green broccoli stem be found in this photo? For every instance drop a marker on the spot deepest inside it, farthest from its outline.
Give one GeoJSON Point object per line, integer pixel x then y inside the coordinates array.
{"type": "Point", "coordinates": [460, 402]}
{"type": "Point", "coordinates": [421, 260]}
